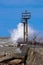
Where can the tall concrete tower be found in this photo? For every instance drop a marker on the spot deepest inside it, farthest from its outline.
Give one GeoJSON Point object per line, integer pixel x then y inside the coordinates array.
{"type": "Point", "coordinates": [25, 16]}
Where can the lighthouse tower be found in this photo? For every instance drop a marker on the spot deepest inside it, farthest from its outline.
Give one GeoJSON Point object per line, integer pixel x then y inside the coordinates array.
{"type": "Point", "coordinates": [25, 17]}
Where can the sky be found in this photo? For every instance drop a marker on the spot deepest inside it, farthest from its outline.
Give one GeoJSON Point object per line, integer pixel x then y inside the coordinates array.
{"type": "Point", "coordinates": [10, 14]}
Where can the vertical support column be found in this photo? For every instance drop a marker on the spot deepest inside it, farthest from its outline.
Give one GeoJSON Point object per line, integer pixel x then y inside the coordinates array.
{"type": "Point", "coordinates": [24, 31]}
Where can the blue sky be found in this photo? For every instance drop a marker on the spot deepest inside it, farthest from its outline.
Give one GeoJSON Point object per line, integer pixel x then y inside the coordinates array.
{"type": "Point", "coordinates": [10, 14]}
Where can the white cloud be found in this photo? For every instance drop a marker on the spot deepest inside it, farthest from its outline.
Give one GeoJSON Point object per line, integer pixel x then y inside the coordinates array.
{"type": "Point", "coordinates": [18, 32]}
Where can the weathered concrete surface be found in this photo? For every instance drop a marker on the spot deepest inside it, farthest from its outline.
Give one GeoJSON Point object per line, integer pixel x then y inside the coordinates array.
{"type": "Point", "coordinates": [35, 56]}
